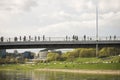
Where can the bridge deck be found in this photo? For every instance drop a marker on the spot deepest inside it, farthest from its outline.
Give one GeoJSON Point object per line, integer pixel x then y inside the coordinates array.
{"type": "Point", "coordinates": [59, 44]}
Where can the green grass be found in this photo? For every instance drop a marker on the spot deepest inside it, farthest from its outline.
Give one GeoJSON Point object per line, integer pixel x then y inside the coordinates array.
{"type": "Point", "coordinates": [90, 60]}
{"type": "Point", "coordinates": [99, 66]}
{"type": "Point", "coordinates": [15, 67]}
{"type": "Point", "coordinates": [78, 63]}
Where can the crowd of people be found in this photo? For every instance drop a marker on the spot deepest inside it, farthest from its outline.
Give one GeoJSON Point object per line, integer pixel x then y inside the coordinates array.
{"type": "Point", "coordinates": [43, 38]}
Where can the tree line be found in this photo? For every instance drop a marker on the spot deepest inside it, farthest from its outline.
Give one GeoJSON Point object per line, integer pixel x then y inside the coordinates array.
{"type": "Point", "coordinates": [67, 56]}
{"type": "Point", "coordinates": [83, 53]}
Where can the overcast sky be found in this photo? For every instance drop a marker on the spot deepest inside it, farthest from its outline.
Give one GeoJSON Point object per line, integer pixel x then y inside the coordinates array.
{"type": "Point", "coordinates": [58, 17]}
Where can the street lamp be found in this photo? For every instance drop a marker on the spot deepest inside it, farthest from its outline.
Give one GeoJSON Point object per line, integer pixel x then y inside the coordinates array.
{"type": "Point", "coordinates": [96, 29]}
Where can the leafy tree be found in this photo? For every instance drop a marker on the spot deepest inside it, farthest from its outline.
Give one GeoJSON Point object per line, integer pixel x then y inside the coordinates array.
{"type": "Point", "coordinates": [53, 56]}
{"type": "Point", "coordinates": [76, 52]}
{"type": "Point", "coordinates": [109, 51]}
{"type": "Point", "coordinates": [68, 56]}
{"type": "Point", "coordinates": [64, 56]}
{"type": "Point", "coordinates": [87, 52]}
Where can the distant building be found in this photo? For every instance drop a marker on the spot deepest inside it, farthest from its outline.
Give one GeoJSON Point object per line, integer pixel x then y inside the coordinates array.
{"type": "Point", "coordinates": [28, 55]}
{"type": "Point", "coordinates": [42, 55]}
{"type": "Point", "coordinates": [3, 53]}
{"type": "Point", "coordinates": [54, 51]}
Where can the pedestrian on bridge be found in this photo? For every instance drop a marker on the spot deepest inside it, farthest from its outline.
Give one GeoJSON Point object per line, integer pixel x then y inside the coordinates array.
{"type": "Point", "coordinates": [9, 39]}
{"type": "Point", "coordinates": [43, 37]}
{"type": "Point", "coordinates": [20, 38]}
{"type": "Point", "coordinates": [29, 38]}
{"type": "Point", "coordinates": [15, 39]}
{"type": "Point", "coordinates": [2, 39]}
{"type": "Point", "coordinates": [114, 37]}
{"type": "Point", "coordinates": [73, 37]}
{"type": "Point", "coordinates": [24, 39]}
{"type": "Point", "coordinates": [38, 38]}
{"type": "Point", "coordinates": [76, 37]}
{"type": "Point", "coordinates": [110, 37]}
{"type": "Point", "coordinates": [90, 38]}
{"type": "Point", "coordinates": [66, 38]}
{"type": "Point", "coordinates": [35, 38]}
{"type": "Point", "coordinates": [84, 37]}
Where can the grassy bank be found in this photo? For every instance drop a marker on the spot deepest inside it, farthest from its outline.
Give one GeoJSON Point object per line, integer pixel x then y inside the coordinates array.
{"type": "Point", "coordinates": [110, 63]}
{"type": "Point", "coordinates": [58, 65]}
{"type": "Point", "coordinates": [100, 66]}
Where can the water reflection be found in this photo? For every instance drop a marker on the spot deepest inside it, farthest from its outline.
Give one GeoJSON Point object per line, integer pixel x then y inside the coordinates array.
{"type": "Point", "coordinates": [37, 75]}
{"type": "Point", "coordinates": [15, 75]}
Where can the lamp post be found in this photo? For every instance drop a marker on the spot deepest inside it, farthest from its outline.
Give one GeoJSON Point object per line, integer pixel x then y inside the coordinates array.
{"type": "Point", "coordinates": [97, 29]}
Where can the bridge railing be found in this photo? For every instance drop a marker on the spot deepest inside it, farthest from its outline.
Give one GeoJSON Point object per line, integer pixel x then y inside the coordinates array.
{"type": "Point", "coordinates": [87, 38]}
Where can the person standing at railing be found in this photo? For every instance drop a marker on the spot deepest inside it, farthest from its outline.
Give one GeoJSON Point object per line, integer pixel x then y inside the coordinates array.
{"type": "Point", "coordinates": [2, 39]}
{"type": "Point", "coordinates": [110, 37]}
{"type": "Point", "coordinates": [114, 37]}
{"type": "Point", "coordinates": [66, 38]}
{"type": "Point", "coordinates": [15, 39]}
{"type": "Point", "coordinates": [43, 37]}
{"type": "Point", "coordinates": [35, 38]}
{"type": "Point", "coordinates": [76, 37]}
{"type": "Point", "coordinates": [29, 38]}
{"type": "Point", "coordinates": [73, 37]}
{"type": "Point", "coordinates": [84, 37]}
{"type": "Point", "coordinates": [24, 39]}
{"type": "Point", "coordinates": [20, 38]}
{"type": "Point", "coordinates": [90, 38]}
{"type": "Point", "coordinates": [38, 38]}
{"type": "Point", "coordinates": [9, 39]}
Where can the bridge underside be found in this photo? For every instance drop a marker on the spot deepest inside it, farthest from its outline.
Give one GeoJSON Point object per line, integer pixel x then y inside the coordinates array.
{"type": "Point", "coordinates": [58, 44]}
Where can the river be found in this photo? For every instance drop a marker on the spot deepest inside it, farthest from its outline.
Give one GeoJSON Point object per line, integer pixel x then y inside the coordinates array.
{"type": "Point", "coordinates": [44, 75]}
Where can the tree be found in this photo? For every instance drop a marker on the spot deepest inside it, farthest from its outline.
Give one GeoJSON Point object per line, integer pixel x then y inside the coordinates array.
{"type": "Point", "coordinates": [87, 52]}
{"type": "Point", "coordinates": [53, 56]}
{"type": "Point", "coordinates": [108, 51]}
{"type": "Point", "coordinates": [76, 52]}
{"type": "Point", "coordinates": [15, 53]}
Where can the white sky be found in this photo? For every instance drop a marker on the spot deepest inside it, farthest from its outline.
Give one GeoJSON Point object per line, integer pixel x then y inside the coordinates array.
{"type": "Point", "coordinates": [58, 17]}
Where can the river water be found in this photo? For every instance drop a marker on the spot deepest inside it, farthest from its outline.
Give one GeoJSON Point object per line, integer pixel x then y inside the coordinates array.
{"type": "Point", "coordinates": [40, 75]}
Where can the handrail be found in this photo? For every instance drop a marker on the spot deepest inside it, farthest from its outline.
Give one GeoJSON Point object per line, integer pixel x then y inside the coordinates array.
{"type": "Point", "coordinates": [67, 38]}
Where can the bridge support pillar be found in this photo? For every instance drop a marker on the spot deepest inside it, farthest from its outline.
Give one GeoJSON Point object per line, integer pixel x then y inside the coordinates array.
{"type": "Point", "coordinates": [2, 53]}
{"type": "Point", "coordinates": [97, 50]}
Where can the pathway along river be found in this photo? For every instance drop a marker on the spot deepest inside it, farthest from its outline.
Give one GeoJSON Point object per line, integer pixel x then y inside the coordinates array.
{"type": "Point", "coordinates": [47, 75]}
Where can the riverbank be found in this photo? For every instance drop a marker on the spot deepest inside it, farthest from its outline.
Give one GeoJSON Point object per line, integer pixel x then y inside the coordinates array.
{"type": "Point", "coordinates": [100, 68]}
{"type": "Point", "coordinates": [109, 72]}
{"type": "Point", "coordinates": [59, 65]}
